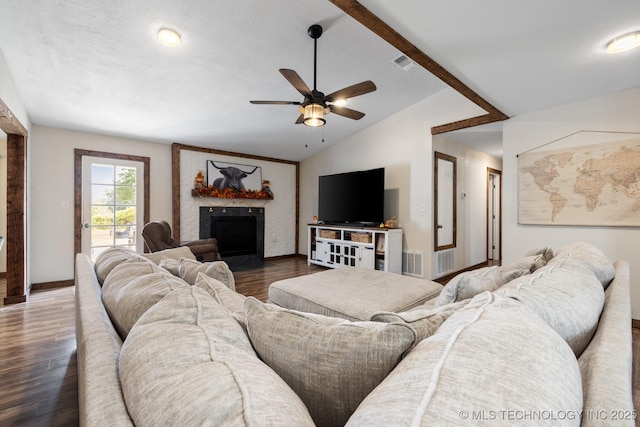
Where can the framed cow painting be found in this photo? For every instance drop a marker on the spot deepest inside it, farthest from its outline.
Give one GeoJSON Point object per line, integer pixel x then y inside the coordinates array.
{"type": "Point", "coordinates": [233, 176]}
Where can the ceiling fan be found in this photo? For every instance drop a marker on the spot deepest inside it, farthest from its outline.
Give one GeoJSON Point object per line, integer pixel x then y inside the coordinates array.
{"type": "Point", "coordinates": [316, 104]}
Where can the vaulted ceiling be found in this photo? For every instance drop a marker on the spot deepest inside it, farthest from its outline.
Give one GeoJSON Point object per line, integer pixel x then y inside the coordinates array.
{"type": "Point", "coordinates": [97, 66]}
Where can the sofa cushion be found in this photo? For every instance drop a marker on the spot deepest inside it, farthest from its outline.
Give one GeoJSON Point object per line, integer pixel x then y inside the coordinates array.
{"type": "Point", "coordinates": [187, 362]}
{"type": "Point", "coordinates": [469, 284]}
{"type": "Point", "coordinates": [566, 296]}
{"type": "Point", "coordinates": [331, 363]}
{"type": "Point", "coordinates": [131, 289]}
{"type": "Point", "coordinates": [112, 257]}
{"type": "Point", "coordinates": [172, 253]}
{"type": "Point", "coordinates": [525, 368]}
{"type": "Point", "coordinates": [189, 270]}
{"type": "Point", "coordinates": [231, 300]}
{"type": "Point", "coordinates": [589, 257]}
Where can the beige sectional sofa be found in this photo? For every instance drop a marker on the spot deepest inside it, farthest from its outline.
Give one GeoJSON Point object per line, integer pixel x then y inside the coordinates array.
{"type": "Point", "coordinates": [168, 341]}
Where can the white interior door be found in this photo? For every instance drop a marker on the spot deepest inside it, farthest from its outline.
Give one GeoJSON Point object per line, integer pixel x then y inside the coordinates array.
{"type": "Point", "coordinates": [112, 204]}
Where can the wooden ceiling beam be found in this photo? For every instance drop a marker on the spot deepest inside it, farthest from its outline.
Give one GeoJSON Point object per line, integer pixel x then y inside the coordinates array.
{"type": "Point", "coordinates": [463, 124]}
{"type": "Point", "coordinates": [363, 15]}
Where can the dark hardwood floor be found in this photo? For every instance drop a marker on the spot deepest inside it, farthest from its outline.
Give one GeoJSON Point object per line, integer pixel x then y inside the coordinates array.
{"type": "Point", "coordinates": [256, 282]}
{"type": "Point", "coordinates": [38, 377]}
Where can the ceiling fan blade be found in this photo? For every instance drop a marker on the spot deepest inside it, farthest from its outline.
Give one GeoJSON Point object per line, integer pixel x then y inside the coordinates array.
{"type": "Point", "coordinates": [296, 81]}
{"type": "Point", "coordinates": [352, 91]}
{"type": "Point", "coordinates": [346, 112]}
{"type": "Point", "coordinates": [276, 102]}
{"type": "Point", "coordinates": [300, 119]}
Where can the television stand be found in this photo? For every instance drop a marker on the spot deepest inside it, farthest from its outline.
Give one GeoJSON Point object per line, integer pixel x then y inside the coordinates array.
{"type": "Point", "coordinates": [375, 248]}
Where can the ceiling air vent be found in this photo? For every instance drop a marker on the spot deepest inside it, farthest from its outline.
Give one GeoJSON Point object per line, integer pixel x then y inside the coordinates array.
{"type": "Point", "coordinates": [404, 62]}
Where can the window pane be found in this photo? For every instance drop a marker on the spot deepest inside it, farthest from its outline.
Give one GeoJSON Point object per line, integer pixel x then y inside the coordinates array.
{"type": "Point", "coordinates": [125, 175]}
{"type": "Point", "coordinates": [102, 174]}
{"type": "Point", "coordinates": [125, 195]}
{"type": "Point", "coordinates": [125, 215]}
{"type": "Point", "coordinates": [101, 236]}
{"type": "Point", "coordinates": [101, 194]}
{"type": "Point", "coordinates": [101, 215]}
{"type": "Point", "coordinates": [124, 235]}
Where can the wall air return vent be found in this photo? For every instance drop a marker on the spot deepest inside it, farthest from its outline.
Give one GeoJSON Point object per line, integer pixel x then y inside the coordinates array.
{"type": "Point", "coordinates": [404, 62]}
{"type": "Point", "coordinates": [444, 262]}
{"type": "Point", "coordinates": [412, 263]}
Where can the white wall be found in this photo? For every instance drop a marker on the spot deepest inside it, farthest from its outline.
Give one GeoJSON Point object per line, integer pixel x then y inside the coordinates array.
{"type": "Point", "coordinates": [51, 182]}
{"type": "Point", "coordinates": [402, 145]}
{"type": "Point", "coordinates": [615, 112]}
{"type": "Point", "coordinates": [471, 196]}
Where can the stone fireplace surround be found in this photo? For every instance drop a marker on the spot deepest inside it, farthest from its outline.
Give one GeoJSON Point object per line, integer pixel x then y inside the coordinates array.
{"type": "Point", "coordinates": [280, 233]}
{"type": "Point", "coordinates": [239, 231]}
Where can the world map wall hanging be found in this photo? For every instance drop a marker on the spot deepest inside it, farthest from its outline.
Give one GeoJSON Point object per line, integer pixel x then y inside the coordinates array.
{"type": "Point", "coordinates": [588, 178]}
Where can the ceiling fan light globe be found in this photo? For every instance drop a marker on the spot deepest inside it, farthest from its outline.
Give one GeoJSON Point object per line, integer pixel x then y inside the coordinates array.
{"type": "Point", "coordinates": [315, 122]}
{"type": "Point", "coordinates": [314, 115]}
{"type": "Point", "coordinates": [340, 102]}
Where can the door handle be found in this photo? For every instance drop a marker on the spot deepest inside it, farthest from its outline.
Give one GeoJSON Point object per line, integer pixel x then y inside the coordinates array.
{"type": "Point", "coordinates": [86, 225]}
{"type": "Point", "coordinates": [440, 226]}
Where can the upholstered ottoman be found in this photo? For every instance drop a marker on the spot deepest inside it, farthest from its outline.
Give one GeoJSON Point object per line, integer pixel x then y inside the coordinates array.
{"type": "Point", "coordinates": [352, 293]}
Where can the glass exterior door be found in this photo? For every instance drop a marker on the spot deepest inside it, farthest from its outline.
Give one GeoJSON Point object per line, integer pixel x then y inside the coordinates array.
{"type": "Point", "coordinates": [112, 204]}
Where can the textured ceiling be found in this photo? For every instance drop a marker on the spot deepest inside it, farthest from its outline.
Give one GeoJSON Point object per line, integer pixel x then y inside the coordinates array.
{"type": "Point", "coordinates": [96, 66]}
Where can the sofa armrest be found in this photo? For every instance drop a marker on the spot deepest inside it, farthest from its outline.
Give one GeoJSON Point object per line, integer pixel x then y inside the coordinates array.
{"type": "Point", "coordinates": [606, 364]}
{"type": "Point", "coordinates": [210, 242]}
{"type": "Point", "coordinates": [100, 398]}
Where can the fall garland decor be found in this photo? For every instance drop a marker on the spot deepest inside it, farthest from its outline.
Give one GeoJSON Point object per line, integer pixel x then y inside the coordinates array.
{"type": "Point", "coordinates": [229, 193]}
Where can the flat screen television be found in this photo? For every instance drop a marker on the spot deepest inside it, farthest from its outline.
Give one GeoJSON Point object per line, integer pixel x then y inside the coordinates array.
{"type": "Point", "coordinates": [352, 198]}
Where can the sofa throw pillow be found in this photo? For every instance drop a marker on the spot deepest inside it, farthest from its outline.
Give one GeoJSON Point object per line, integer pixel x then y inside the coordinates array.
{"type": "Point", "coordinates": [546, 252]}
{"type": "Point", "coordinates": [131, 289]}
{"type": "Point", "coordinates": [171, 265]}
{"type": "Point", "coordinates": [568, 297]}
{"type": "Point", "coordinates": [331, 363]}
{"type": "Point", "coordinates": [231, 300]}
{"type": "Point", "coordinates": [189, 270]}
{"type": "Point", "coordinates": [187, 362]}
{"type": "Point", "coordinates": [111, 258]}
{"type": "Point", "coordinates": [495, 360]}
{"type": "Point", "coordinates": [173, 253]}
{"type": "Point", "coordinates": [530, 263]}
{"type": "Point", "coordinates": [589, 257]}
{"type": "Point", "coordinates": [469, 284]}
{"type": "Point", "coordinates": [424, 321]}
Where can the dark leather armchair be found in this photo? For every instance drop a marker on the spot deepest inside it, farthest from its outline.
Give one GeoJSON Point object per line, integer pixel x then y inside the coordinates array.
{"type": "Point", "coordinates": [157, 237]}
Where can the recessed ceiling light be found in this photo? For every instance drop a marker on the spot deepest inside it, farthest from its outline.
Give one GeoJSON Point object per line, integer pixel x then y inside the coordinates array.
{"type": "Point", "coordinates": [169, 37]}
{"type": "Point", "coordinates": [622, 43]}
